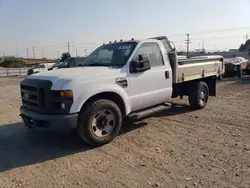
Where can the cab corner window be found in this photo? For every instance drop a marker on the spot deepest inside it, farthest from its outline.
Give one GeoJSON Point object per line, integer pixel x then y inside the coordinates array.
{"type": "Point", "coordinates": [153, 52]}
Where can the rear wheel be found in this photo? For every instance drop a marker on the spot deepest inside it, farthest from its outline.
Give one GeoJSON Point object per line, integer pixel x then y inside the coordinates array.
{"type": "Point", "coordinates": [239, 74]}
{"type": "Point", "coordinates": [100, 122]}
{"type": "Point", "coordinates": [198, 95]}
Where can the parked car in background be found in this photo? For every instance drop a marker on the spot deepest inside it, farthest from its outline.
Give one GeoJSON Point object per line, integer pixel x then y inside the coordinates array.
{"type": "Point", "coordinates": [248, 67]}
{"type": "Point", "coordinates": [56, 65]}
{"type": "Point", "coordinates": [235, 66]}
{"type": "Point", "coordinates": [72, 62]}
{"type": "Point", "coordinates": [43, 67]}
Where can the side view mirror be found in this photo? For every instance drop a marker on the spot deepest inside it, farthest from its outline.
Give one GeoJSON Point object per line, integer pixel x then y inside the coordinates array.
{"type": "Point", "coordinates": [140, 64]}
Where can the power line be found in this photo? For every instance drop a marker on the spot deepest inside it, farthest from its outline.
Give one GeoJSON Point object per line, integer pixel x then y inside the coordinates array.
{"type": "Point", "coordinates": [212, 38]}
{"type": "Point", "coordinates": [212, 31]}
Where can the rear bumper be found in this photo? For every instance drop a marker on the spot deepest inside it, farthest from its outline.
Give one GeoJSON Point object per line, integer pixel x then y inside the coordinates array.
{"type": "Point", "coordinates": [53, 121]}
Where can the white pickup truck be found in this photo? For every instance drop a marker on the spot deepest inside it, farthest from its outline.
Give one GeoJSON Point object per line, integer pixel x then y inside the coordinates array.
{"type": "Point", "coordinates": [42, 67]}
{"type": "Point", "coordinates": [129, 78]}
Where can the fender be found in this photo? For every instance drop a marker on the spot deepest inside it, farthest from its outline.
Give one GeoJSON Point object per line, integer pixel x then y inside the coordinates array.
{"type": "Point", "coordinates": [83, 95]}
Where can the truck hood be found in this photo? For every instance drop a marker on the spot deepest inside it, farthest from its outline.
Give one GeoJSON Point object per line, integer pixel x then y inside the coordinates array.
{"type": "Point", "coordinates": [70, 74]}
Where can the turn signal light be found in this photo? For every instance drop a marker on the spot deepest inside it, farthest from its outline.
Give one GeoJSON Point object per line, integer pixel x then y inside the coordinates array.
{"type": "Point", "coordinates": [66, 94]}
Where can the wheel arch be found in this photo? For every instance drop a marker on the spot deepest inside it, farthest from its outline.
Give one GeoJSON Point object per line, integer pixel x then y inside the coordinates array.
{"type": "Point", "coordinates": [109, 95]}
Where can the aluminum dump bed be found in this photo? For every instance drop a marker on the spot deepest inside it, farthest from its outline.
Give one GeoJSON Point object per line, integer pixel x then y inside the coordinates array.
{"type": "Point", "coordinates": [196, 68]}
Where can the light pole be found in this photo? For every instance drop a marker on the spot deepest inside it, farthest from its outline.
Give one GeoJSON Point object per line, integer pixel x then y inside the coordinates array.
{"type": "Point", "coordinates": [180, 48]}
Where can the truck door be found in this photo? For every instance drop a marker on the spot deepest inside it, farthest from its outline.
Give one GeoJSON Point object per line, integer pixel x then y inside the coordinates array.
{"type": "Point", "coordinates": [153, 86]}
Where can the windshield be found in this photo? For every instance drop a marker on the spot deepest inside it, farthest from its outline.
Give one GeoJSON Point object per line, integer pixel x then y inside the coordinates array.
{"type": "Point", "coordinates": [115, 54]}
{"type": "Point", "coordinates": [35, 66]}
{"type": "Point", "coordinates": [56, 64]}
{"type": "Point", "coordinates": [64, 64]}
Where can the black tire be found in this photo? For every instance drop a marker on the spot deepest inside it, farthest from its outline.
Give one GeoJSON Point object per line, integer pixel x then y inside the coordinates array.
{"type": "Point", "coordinates": [239, 74]}
{"type": "Point", "coordinates": [86, 116]}
{"type": "Point", "coordinates": [195, 93]}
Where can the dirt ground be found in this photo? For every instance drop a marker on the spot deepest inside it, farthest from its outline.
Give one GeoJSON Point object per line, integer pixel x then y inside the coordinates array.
{"type": "Point", "coordinates": [175, 148]}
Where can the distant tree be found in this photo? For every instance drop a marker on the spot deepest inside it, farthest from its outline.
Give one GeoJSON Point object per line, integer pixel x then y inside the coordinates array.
{"type": "Point", "coordinates": [13, 63]}
{"type": "Point", "coordinates": [246, 46]}
{"type": "Point", "coordinates": [65, 56]}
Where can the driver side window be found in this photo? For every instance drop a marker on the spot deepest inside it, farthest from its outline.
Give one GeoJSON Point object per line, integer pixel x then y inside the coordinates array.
{"type": "Point", "coordinates": [42, 67]}
{"type": "Point", "coordinates": [153, 52]}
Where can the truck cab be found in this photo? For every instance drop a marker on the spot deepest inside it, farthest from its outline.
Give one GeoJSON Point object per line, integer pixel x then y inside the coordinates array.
{"type": "Point", "coordinates": [128, 78]}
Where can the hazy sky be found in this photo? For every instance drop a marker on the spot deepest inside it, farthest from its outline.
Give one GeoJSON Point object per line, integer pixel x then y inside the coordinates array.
{"type": "Point", "coordinates": [47, 25]}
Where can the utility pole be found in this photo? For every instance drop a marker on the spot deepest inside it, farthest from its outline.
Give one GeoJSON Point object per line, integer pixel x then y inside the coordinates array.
{"type": "Point", "coordinates": [43, 55]}
{"type": "Point", "coordinates": [57, 54]}
{"type": "Point", "coordinates": [76, 53]}
{"type": "Point", "coordinates": [34, 55]}
{"type": "Point", "coordinates": [68, 47]}
{"type": "Point", "coordinates": [203, 46]}
{"type": "Point", "coordinates": [86, 54]}
{"type": "Point", "coordinates": [188, 42]}
{"type": "Point", "coordinates": [17, 51]}
{"type": "Point", "coordinates": [27, 53]}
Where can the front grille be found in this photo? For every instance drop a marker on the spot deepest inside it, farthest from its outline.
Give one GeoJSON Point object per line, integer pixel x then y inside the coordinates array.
{"type": "Point", "coordinates": [33, 94]}
{"type": "Point", "coordinates": [38, 96]}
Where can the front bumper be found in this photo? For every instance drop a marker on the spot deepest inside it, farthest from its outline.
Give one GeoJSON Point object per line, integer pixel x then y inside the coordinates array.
{"type": "Point", "coordinates": [53, 121]}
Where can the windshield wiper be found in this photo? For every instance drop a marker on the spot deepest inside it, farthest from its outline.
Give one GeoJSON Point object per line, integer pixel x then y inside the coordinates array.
{"type": "Point", "coordinates": [95, 64]}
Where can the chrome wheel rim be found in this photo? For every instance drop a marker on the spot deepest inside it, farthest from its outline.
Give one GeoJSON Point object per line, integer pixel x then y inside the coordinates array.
{"type": "Point", "coordinates": [202, 97]}
{"type": "Point", "coordinates": [103, 123]}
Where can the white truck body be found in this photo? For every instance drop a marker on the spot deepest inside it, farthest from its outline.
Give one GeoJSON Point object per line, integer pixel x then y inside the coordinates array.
{"type": "Point", "coordinates": [42, 67]}
{"type": "Point", "coordinates": [131, 90]}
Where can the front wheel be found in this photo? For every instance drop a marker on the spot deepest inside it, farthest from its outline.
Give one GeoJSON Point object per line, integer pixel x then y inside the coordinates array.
{"type": "Point", "coordinates": [100, 122]}
{"type": "Point", "coordinates": [239, 74]}
{"type": "Point", "coordinates": [198, 95]}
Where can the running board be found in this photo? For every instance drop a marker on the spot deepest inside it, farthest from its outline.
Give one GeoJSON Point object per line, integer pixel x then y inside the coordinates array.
{"type": "Point", "coordinates": [149, 111]}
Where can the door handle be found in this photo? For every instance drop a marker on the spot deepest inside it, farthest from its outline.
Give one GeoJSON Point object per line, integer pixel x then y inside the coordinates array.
{"type": "Point", "coordinates": [167, 74]}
